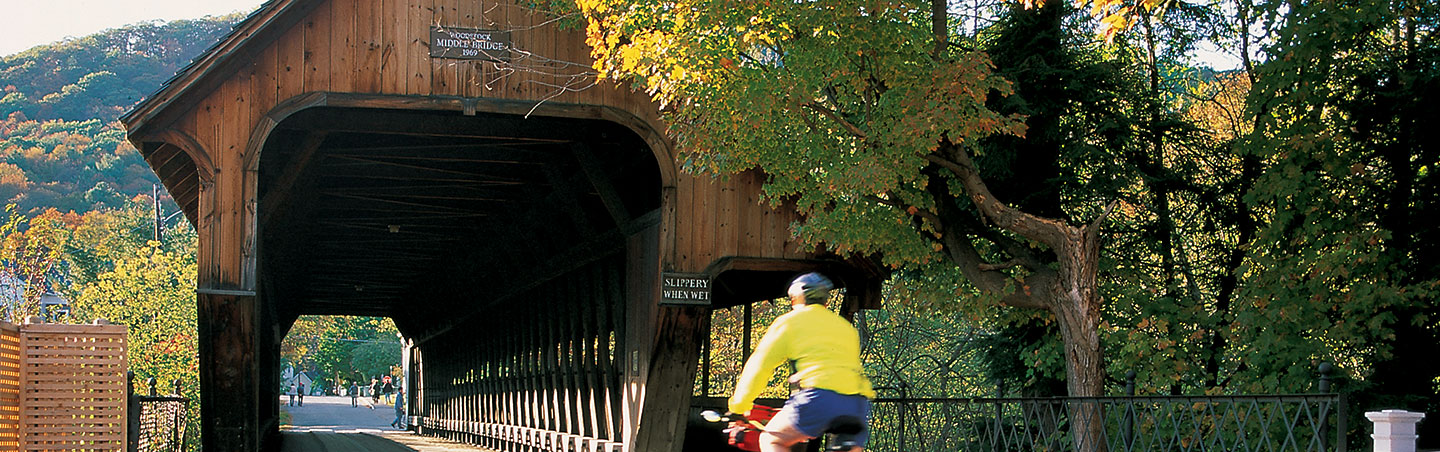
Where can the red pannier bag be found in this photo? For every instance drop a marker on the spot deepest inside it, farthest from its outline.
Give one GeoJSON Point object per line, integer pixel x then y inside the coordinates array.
{"type": "Point", "coordinates": [745, 435]}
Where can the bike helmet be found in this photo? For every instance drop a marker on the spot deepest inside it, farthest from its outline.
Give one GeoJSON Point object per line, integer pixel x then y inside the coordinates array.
{"type": "Point", "coordinates": [813, 286]}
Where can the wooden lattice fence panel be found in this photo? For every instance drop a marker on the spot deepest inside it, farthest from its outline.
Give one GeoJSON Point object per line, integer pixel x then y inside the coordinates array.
{"type": "Point", "coordinates": [72, 387]}
{"type": "Point", "coordinates": [9, 386]}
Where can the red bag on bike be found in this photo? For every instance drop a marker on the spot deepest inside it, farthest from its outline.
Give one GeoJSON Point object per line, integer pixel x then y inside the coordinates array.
{"type": "Point", "coordinates": [745, 435]}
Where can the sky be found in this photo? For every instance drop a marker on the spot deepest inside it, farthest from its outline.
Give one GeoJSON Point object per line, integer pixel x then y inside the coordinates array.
{"type": "Point", "coordinates": [29, 23]}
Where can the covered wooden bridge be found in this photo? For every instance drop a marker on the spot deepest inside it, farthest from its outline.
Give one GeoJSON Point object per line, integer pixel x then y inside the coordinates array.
{"type": "Point", "coordinates": [455, 165]}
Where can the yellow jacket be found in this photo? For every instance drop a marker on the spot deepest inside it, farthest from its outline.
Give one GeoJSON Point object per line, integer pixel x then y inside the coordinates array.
{"type": "Point", "coordinates": [824, 347]}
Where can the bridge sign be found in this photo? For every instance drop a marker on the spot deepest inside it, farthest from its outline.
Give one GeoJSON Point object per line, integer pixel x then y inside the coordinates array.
{"type": "Point", "coordinates": [684, 289]}
{"type": "Point", "coordinates": [469, 44]}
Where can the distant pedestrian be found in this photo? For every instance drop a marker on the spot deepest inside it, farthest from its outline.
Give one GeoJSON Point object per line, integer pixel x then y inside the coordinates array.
{"type": "Point", "coordinates": [291, 393]}
{"type": "Point", "coordinates": [374, 392]}
{"type": "Point", "coordinates": [399, 421]}
{"type": "Point", "coordinates": [389, 389]}
{"type": "Point", "coordinates": [301, 394]}
{"type": "Point", "coordinates": [354, 394]}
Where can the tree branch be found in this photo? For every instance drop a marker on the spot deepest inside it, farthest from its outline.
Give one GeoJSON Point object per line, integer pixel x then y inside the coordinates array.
{"type": "Point", "coordinates": [835, 117]}
{"type": "Point", "coordinates": [1014, 248]}
{"type": "Point", "coordinates": [940, 26]}
{"type": "Point", "coordinates": [923, 214]}
{"type": "Point", "coordinates": [1050, 232]}
{"type": "Point", "coordinates": [1093, 228]}
{"type": "Point", "coordinates": [894, 201]}
{"type": "Point", "coordinates": [1012, 263]}
{"type": "Point", "coordinates": [968, 260]}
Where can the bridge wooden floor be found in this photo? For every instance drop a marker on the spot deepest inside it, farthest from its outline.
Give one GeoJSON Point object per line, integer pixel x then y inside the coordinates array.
{"type": "Point", "coordinates": [331, 424]}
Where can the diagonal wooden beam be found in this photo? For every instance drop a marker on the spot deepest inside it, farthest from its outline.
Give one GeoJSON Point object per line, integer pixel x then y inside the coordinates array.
{"type": "Point", "coordinates": [566, 196]}
{"type": "Point", "coordinates": [452, 195]}
{"type": "Point", "coordinates": [564, 261]}
{"type": "Point", "coordinates": [595, 171]}
{"type": "Point", "coordinates": [435, 207]}
{"type": "Point", "coordinates": [467, 174]}
{"type": "Point", "coordinates": [417, 158]}
{"type": "Point", "coordinates": [390, 177]}
{"type": "Point", "coordinates": [508, 145]}
{"type": "Point", "coordinates": [278, 195]}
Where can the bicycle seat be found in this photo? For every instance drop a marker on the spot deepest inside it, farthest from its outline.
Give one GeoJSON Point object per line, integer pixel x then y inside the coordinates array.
{"type": "Point", "coordinates": [846, 425]}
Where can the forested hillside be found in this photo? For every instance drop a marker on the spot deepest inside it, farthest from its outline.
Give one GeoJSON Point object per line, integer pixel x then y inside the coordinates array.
{"type": "Point", "coordinates": [60, 141]}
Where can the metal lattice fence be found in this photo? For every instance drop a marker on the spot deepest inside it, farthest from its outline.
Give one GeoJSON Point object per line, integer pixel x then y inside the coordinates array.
{"type": "Point", "coordinates": [157, 422]}
{"type": "Point", "coordinates": [162, 424]}
{"type": "Point", "coordinates": [1180, 424]}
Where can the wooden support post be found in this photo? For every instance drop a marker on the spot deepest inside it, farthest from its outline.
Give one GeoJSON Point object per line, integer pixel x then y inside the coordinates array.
{"type": "Point", "coordinates": [492, 378]}
{"type": "Point", "coordinates": [603, 369]}
{"type": "Point", "coordinates": [517, 415]}
{"type": "Point", "coordinates": [671, 379]}
{"type": "Point", "coordinates": [475, 393]}
{"type": "Point", "coordinates": [616, 298]}
{"type": "Point", "coordinates": [530, 358]}
{"type": "Point", "coordinates": [552, 359]}
{"type": "Point", "coordinates": [229, 371]}
{"type": "Point", "coordinates": [574, 362]}
{"type": "Point", "coordinates": [593, 296]}
{"type": "Point", "coordinates": [643, 257]}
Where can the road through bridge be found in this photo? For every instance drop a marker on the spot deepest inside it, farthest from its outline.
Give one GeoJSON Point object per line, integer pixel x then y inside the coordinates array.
{"type": "Point", "coordinates": [331, 424]}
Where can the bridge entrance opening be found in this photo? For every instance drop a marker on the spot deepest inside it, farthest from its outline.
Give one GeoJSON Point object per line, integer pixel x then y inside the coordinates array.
{"type": "Point", "coordinates": [497, 243]}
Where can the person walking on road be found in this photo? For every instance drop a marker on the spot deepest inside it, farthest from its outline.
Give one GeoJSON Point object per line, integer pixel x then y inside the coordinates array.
{"type": "Point", "coordinates": [399, 421]}
{"type": "Point", "coordinates": [354, 394]}
{"type": "Point", "coordinates": [291, 393]}
{"type": "Point", "coordinates": [301, 394]}
{"type": "Point", "coordinates": [374, 392]}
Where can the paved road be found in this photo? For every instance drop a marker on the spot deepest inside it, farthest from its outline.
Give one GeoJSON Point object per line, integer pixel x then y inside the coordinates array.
{"type": "Point", "coordinates": [331, 413]}
{"type": "Point", "coordinates": [330, 424]}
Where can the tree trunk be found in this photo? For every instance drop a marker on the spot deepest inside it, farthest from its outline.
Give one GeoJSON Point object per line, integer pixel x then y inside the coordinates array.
{"type": "Point", "coordinates": [1077, 309]}
{"type": "Point", "coordinates": [1067, 290]}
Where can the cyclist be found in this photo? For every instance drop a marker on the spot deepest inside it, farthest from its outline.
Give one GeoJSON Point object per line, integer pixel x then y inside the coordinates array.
{"type": "Point", "coordinates": [825, 351]}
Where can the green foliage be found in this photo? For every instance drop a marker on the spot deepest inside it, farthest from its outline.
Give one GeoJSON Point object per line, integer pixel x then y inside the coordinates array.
{"type": "Point", "coordinates": [101, 75]}
{"type": "Point", "coordinates": [727, 351]}
{"type": "Point", "coordinates": [69, 165]}
{"type": "Point", "coordinates": [61, 146]}
{"type": "Point", "coordinates": [150, 290]}
{"type": "Point", "coordinates": [343, 349]}
{"type": "Point", "coordinates": [119, 274]}
{"type": "Point", "coordinates": [30, 254]}
{"type": "Point", "coordinates": [1254, 238]}
{"type": "Point", "coordinates": [837, 104]}
{"type": "Point", "coordinates": [1345, 111]}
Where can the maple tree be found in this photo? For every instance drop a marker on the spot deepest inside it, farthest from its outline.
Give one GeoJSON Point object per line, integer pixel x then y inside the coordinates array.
{"type": "Point", "coordinates": [871, 116]}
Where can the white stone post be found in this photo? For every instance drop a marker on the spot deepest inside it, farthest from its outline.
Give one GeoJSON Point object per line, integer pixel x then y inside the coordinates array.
{"type": "Point", "coordinates": [1394, 430]}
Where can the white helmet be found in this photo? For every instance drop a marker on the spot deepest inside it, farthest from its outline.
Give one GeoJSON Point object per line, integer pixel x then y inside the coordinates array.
{"type": "Point", "coordinates": [813, 286]}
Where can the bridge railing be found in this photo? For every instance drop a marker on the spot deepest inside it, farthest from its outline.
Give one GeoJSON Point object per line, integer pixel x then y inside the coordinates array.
{"type": "Point", "coordinates": [156, 422]}
{"type": "Point", "coordinates": [1310, 422]}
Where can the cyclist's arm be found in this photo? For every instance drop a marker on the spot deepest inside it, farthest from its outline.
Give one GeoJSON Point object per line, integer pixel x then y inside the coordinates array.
{"type": "Point", "coordinates": [772, 350]}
